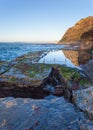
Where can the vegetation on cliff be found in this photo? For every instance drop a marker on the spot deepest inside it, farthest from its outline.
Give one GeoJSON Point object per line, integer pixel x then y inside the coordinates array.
{"type": "Point", "coordinates": [74, 34]}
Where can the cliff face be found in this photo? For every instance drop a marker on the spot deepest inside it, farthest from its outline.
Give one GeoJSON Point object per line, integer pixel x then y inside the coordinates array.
{"type": "Point", "coordinates": [73, 35]}
{"type": "Point", "coordinates": [87, 40]}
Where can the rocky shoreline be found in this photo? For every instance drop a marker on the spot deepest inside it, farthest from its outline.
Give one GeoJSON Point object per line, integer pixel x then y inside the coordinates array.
{"type": "Point", "coordinates": [26, 87]}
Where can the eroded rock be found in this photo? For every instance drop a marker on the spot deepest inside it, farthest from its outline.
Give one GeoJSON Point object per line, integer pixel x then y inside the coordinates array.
{"type": "Point", "coordinates": [56, 84]}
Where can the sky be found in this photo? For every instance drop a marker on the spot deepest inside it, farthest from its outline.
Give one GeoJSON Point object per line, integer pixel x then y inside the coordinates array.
{"type": "Point", "coordinates": [40, 20]}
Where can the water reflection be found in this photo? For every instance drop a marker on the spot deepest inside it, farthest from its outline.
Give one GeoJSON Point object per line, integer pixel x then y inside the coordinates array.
{"type": "Point", "coordinates": [72, 55]}
{"type": "Point", "coordinates": [56, 57]}
{"type": "Point", "coordinates": [71, 58]}
{"type": "Point", "coordinates": [84, 59]}
{"type": "Point", "coordinates": [78, 57]}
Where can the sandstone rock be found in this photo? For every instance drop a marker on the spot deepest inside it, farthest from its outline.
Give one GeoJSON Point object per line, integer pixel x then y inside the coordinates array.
{"type": "Point", "coordinates": [77, 33]}
{"type": "Point", "coordinates": [84, 100]}
{"type": "Point", "coordinates": [87, 40]}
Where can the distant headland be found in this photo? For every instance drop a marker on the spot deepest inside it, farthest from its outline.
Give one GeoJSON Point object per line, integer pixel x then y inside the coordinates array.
{"type": "Point", "coordinates": [81, 34]}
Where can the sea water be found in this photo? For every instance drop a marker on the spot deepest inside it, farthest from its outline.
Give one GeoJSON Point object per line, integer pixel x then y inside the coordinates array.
{"type": "Point", "coordinates": [10, 51]}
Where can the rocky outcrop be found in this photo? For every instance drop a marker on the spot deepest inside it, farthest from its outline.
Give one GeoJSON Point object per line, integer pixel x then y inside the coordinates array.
{"type": "Point", "coordinates": [87, 40]}
{"type": "Point", "coordinates": [8, 89]}
{"type": "Point", "coordinates": [56, 84]}
{"type": "Point", "coordinates": [84, 100]}
{"type": "Point", "coordinates": [82, 31]}
{"type": "Point", "coordinates": [23, 78]}
{"type": "Point", "coordinates": [88, 69]}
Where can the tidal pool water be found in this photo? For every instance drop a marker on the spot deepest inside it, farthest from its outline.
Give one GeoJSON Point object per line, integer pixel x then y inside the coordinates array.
{"type": "Point", "coordinates": [56, 53]}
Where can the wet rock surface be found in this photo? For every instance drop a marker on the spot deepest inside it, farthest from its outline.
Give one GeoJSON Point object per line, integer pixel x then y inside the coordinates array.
{"type": "Point", "coordinates": [49, 114]}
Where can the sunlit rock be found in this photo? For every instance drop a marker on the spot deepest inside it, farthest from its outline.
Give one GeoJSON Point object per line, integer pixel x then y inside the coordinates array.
{"type": "Point", "coordinates": [81, 34]}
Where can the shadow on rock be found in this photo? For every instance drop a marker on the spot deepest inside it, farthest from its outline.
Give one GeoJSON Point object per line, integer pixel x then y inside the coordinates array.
{"type": "Point", "coordinates": [56, 84]}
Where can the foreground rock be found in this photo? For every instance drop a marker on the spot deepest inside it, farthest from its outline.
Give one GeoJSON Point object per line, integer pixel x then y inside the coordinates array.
{"type": "Point", "coordinates": [51, 114]}
{"type": "Point", "coordinates": [38, 80]}
{"type": "Point", "coordinates": [84, 100]}
{"type": "Point", "coordinates": [27, 79]}
{"type": "Point", "coordinates": [38, 88]}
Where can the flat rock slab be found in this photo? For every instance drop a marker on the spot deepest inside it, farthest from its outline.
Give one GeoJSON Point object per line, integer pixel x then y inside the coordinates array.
{"type": "Point", "coordinates": [26, 59]}
{"type": "Point", "coordinates": [48, 114]}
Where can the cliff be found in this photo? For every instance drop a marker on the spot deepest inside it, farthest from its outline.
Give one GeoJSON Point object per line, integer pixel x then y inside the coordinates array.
{"type": "Point", "coordinates": [74, 34]}
{"type": "Point", "coordinates": [87, 40]}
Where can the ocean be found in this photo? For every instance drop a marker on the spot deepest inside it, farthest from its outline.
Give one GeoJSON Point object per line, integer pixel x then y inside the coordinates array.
{"type": "Point", "coordinates": [10, 51]}
{"type": "Point", "coordinates": [56, 55]}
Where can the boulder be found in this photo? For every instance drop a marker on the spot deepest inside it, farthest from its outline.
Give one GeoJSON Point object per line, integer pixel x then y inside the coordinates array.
{"type": "Point", "coordinates": [83, 99]}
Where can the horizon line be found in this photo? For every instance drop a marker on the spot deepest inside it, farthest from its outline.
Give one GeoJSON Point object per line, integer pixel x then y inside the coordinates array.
{"type": "Point", "coordinates": [28, 41]}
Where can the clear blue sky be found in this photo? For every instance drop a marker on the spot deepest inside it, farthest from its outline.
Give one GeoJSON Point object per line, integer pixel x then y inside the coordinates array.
{"type": "Point", "coordinates": [40, 20]}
